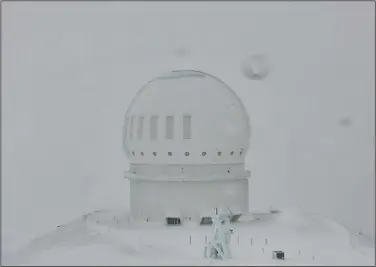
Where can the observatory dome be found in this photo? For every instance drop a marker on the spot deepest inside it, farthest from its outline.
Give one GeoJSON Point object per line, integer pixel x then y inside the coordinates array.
{"type": "Point", "coordinates": [186, 117]}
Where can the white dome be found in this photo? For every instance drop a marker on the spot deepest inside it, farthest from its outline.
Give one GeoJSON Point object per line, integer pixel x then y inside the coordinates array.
{"type": "Point", "coordinates": [186, 117]}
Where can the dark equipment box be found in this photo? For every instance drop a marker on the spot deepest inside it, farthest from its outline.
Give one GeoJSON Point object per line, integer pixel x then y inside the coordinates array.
{"type": "Point", "coordinates": [279, 255]}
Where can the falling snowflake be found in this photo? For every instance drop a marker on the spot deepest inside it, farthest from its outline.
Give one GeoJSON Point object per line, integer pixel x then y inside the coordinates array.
{"type": "Point", "coordinates": [256, 67]}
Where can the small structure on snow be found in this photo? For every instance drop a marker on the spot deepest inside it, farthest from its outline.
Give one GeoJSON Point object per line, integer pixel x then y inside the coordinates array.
{"type": "Point", "coordinates": [220, 241]}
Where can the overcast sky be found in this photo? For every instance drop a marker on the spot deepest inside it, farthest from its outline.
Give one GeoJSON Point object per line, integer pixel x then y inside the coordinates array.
{"type": "Point", "coordinates": [69, 71]}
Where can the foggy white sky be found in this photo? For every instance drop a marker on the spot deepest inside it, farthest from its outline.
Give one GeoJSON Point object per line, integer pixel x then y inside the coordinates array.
{"type": "Point", "coordinates": [69, 70]}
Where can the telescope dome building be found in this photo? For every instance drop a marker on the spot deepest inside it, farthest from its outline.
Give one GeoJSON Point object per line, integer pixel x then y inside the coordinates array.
{"type": "Point", "coordinates": [186, 135]}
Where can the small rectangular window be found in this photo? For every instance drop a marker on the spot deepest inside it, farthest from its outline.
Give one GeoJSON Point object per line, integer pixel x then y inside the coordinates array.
{"type": "Point", "coordinates": [153, 127]}
{"type": "Point", "coordinates": [140, 128]}
{"type": "Point", "coordinates": [130, 133]}
{"type": "Point", "coordinates": [187, 134]}
{"type": "Point", "coordinates": [169, 127]}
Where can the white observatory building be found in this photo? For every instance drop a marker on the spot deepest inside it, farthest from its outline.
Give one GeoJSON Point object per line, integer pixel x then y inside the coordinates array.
{"type": "Point", "coordinates": [186, 135]}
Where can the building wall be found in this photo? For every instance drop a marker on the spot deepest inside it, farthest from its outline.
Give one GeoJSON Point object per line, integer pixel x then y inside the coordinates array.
{"type": "Point", "coordinates": [189, 172]}
{"type": "Point", "coordinates": [157, 199]}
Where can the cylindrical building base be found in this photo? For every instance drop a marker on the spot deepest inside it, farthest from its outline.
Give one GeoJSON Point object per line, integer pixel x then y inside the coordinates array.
{"type": "Point", "coordinates": [187, 200]}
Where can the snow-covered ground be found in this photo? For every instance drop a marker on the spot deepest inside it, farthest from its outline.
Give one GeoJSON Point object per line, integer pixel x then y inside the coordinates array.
{"type": "Point", "coordinates": [112, 238]}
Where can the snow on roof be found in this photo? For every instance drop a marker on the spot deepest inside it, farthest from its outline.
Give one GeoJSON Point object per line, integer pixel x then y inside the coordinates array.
{"type": "Point", "coordinates": [207, 212]}
{"type": "Point", "coordinates": [234, 209]}
{"type": "Point", "coordinates": [211, 212]}
{"type": "Point", "coordinates": [173, 213]}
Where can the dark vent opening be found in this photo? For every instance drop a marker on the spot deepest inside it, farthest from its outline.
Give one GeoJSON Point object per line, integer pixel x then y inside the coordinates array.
{"type": "Point", "coordinates": [206, 221]}
{"type": "Point", "coordinates": [173, 221]}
